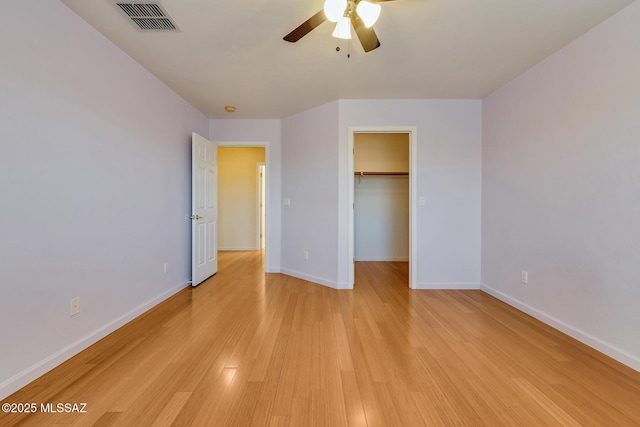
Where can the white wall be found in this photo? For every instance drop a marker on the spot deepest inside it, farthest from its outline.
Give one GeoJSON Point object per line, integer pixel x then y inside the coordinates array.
{"type": "Point", "coordinates": [309, 180]}
{"type": "Point", "coordinates": [94, 178]}
{"type": "Point", "coordinates": [561, 186]}
{"type": "Point", "coordinates": [315, 177]}
{"type": "Point", "coordinates": [448, 176]}
{"type": "Point", "coordinates": [381, 218]}
{"type": "Point", "coordinates": [263, 131]}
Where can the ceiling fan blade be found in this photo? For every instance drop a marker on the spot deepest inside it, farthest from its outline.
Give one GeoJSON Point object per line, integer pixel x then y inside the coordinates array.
{"type": "Point", "coordinates": [367, 36]}
{"type": "Point", "coordinates": [306, 27]}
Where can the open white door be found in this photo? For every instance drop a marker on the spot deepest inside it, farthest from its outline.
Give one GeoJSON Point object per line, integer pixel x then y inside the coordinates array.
{"type": "Point", "coordinates": [204, 209]}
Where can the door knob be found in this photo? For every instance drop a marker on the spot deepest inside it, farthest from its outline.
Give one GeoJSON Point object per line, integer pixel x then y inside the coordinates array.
{"type": "Point", "coordinates": [196, 217]}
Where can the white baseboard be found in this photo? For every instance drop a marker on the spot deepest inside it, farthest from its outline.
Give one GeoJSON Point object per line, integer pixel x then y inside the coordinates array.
{"type": "Point", "coordinates": [602, 346]}
{"type": "Point", "coordinates": [253, 248]}
{"type": "Point", "coordinates": [29, 374]}
{"type": "Point", "coordinates": [310, 278]}
{"type": "Point", "coordinates": [383, 259]}
{"type": "Point", "coordinates": [448, 285]}
{"type": "Point", "coordinates": [343, 285]}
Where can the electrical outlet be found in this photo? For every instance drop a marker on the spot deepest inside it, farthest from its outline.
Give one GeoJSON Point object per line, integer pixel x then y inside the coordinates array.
{"type": "Point", "coordinates": [165, 267]}
{"type": "Point", "coordinates": [75, 306]}
{"type": "Point", "coordinates": [525, 277]}
{"type": "Point", "coordinates": [305, 254]}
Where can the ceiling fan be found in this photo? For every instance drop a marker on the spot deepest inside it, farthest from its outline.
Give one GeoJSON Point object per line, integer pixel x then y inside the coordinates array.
{"type": "Point", "coordinates": [361, 14]}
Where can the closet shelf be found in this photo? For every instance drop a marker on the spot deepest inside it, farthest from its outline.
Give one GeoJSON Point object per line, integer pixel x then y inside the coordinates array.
{"type": "Point", "coordinates": [362, 173]}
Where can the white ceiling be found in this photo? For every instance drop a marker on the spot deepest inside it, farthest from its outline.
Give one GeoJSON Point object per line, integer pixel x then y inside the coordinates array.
{"type": "Point", "coordinates": [232, 52]}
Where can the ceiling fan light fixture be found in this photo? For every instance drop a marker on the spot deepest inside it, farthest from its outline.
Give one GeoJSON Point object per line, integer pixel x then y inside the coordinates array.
{"type": "Point", "coordinates": [368, 12]}
{"type": "Point", "coordinates": [343, 29]}
{"type": "Point", "coordinates": [334, 9]}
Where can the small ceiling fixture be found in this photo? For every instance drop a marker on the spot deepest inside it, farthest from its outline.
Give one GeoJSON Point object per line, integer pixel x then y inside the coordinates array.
{"type": "Point", "coordinates": [230, 109]}
{"type": "Point", "coordinates": [361, 14]}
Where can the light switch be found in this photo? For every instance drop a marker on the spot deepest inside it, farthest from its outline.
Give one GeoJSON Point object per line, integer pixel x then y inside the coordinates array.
{"type": "Point", "coordinates": [286, 201]}
{"type": "Point", "coordinates": [422, 201]}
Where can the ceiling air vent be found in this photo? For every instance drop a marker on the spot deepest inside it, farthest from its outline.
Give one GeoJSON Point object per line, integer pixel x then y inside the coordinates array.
{"type": "Point", "coordinates": [146, 15]}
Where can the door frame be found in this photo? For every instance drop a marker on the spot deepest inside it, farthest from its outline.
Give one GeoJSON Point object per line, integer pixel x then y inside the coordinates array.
{"type": "Point", "coordinates": [267, 183]}
{"type": "Point", "coordinates": [412, 131]}
{"type": "Point", "coordinates": [259, 197]}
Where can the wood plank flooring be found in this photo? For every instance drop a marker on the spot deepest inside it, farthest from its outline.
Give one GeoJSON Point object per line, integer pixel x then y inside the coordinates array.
{"type": "Point", "coordinates": [249, 349]}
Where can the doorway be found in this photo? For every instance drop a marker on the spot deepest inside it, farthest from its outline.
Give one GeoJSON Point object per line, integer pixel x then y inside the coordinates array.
{"type": "Point", "coordinates": [242, 197]}
{"type": "Point", "coordinates": [407, 171]}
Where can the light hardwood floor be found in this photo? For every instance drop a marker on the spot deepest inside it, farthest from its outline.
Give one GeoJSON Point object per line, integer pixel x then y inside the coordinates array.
{"type": "Point", "coordinates": [246, 348]}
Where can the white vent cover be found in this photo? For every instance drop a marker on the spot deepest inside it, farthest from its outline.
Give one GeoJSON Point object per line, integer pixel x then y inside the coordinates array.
{"type": "Point", "coordinates": [146, 15]}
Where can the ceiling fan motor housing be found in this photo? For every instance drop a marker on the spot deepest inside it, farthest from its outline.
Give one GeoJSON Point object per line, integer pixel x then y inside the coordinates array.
{"type": "Point", "coordinates": [361, 24]}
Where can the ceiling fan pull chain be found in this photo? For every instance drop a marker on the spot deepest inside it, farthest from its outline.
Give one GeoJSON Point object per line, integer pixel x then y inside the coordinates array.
{"type": "Point", "coordinates": [348, 47]}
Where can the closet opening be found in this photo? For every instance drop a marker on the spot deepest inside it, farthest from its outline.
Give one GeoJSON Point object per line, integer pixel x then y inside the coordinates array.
{"type": "Point", "coordinates": [382, 218]}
